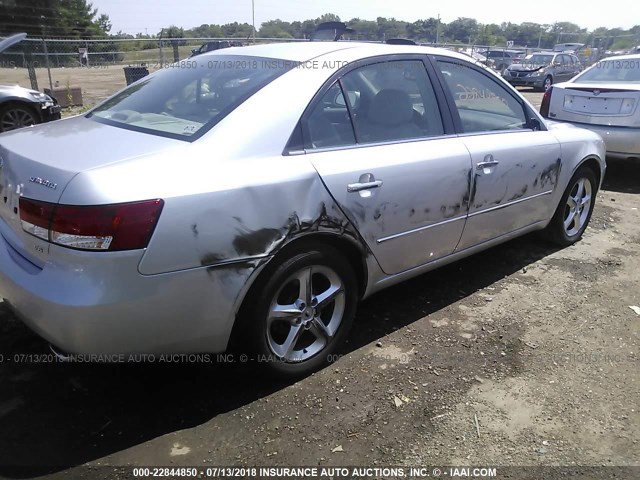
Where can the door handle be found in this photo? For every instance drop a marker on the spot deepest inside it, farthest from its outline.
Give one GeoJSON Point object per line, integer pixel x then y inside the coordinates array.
{"type": "Point", "coordinates": [483, 165]}
{"type": "Point", "coordinates": [489, 162]}
{"type": "Point", "coordinates": [358, 187]}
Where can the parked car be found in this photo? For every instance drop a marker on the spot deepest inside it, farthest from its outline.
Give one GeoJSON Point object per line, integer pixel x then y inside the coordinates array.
{"type": "Point", "coordinates": [207, 215]}
{"type": "Point", "coordinates": [330, 32]}
{"type": "Point", "coordinates": [488, 62]}
{"type": "Point", "coordinates": [214, 45]}
{"type": "Point", "coordinates": [503, 58]}
{"type": "Point", "coordinates": [605, 98]}
{"type": "Point", "coordinates": [22, 107]}
{"type": "Point", "coordinates": [541, 70]}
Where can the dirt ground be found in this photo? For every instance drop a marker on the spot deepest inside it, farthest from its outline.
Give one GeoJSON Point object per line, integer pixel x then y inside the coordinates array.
{"type": "Point", "coordinates": [539, 344]}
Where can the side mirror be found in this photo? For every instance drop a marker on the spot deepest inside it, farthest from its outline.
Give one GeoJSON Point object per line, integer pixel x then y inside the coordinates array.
{"type": "Point", "coordinates": [535, 124]}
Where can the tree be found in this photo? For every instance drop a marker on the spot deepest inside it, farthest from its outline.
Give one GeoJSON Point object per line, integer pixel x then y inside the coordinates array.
{"type": "Point", "coordinates": [237, 30]}
{"type": "Point", "coordinates": [61, 18]}
{"type": "Point", "coordinates": [275, 29]}
{"type": "Point", "coordinates": [423, 30]}
{"type": "Point", "coordinates": [327, 17]}
{"type": "Point", "coordinates": [462, 30]}
{"type": "Point", "coordinates": [205, 31]}
{"type": "Point", "coordinates": [174, 33]}
{"type": "Point", "coordinates": [365, 29]}
{"type": "Point", "coordinates": [104, 23]}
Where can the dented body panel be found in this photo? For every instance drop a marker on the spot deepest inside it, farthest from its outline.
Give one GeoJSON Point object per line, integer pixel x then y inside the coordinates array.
{"type": "Point", "coordinates": [515, 192]}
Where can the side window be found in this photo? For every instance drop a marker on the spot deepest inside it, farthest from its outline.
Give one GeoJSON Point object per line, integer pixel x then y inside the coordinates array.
{"type": "Point", "coordinates": [482, 103]}
{"type": "Point", "coordinates": [329, 124]}
{"type": "Point", "coordinates": [392, 101]}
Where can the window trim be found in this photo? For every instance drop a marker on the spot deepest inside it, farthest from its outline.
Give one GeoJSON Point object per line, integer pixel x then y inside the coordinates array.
{"type": "Point", "coordinates": [529, 114]}
{"type": "Point", "coordinates": [448, 122]}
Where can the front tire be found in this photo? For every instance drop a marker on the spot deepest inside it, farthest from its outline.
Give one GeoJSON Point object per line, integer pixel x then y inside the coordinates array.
{"type": "Point", "coordinates": [13, 116]}
{"type": "Point", "coordinates": [574, 211]}
{"type": "Point", "coordinates": [301, 315]}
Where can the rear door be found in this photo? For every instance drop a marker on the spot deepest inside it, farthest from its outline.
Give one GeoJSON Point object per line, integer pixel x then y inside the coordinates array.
{"type": "Point", "coordinates": [515, 168]}
{"type": "Point", "coordinates": [390, 161]}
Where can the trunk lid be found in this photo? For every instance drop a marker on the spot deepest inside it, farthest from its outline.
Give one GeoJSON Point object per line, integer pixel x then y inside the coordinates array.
{"type": "Point", "coordinates": [598, 104]}
{"type": "Point", "coordinates": [39, 162]}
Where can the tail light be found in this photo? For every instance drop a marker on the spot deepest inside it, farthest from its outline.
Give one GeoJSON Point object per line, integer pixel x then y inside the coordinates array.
{"type": "Point", "coordinates": [123, 226]}
{"type": "Point", "coordinates": [546, 101]}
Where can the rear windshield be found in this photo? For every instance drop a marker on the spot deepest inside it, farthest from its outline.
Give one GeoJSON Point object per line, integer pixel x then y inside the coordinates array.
{"type": "Point", "coordinates": [187, 98]}
{"type": "Point", "coordinates": [607, 71]}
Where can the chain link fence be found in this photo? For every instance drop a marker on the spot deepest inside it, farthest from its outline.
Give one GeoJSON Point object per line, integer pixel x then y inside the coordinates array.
{"type": "Point", "coordinates": [88, 71]}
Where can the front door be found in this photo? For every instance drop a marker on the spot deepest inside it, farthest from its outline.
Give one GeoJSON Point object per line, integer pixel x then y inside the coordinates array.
{"type": "Point", "coordinates": [515, 168]}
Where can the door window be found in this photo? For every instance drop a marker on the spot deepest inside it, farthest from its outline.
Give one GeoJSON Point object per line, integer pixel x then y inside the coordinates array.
{"type": "Point", "coordinates": [483, 104]}
{"type": "Point", "coordinates": [392, 101]}
{"type": "Point", "coordinates": [387, 101]}
{"type": "Point", "coordinates": [329, 124]}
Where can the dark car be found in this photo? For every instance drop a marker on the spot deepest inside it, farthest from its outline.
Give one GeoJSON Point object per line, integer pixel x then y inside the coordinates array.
{"type": "Point", "coordinates": [503, 58]}
{"type": "Point", "coordinates": [214, 45]}
{"type": "Point", "coordinates": [330, 32]}
{"type": "Point", "coordinates": [21, 107]}
{"type": "Point", "coordinates": [542, 69]}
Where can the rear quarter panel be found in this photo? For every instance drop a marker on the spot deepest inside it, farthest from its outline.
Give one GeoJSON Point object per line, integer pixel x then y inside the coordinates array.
{"type": "Point", "coordinates": [232, 195]}
{"type": "Point", "coordinates": [578, 145]}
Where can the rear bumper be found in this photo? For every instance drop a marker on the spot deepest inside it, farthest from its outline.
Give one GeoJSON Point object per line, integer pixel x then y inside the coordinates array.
{"type": "Point", "coordinates": [621, 142]}
{"type": "Point", "coordinates": [100, 304]}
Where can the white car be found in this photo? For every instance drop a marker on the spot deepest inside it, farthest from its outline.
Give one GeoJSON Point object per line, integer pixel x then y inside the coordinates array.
{"type": "Point", "coordinates": [605, 98]}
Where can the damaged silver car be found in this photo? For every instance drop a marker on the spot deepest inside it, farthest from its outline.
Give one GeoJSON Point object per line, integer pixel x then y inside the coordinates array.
{"type": "Point", "coordinates": [251, 196]}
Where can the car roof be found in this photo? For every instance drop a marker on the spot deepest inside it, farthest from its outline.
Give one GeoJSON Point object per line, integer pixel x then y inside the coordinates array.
{"type": "Point", "coordinates": [633, 56]}
{"type": "Point", "coordinates": [305, 51]}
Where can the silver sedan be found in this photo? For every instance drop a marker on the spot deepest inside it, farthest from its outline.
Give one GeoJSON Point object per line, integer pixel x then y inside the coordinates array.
{"type": "Point", "coordinates": [251, 196]}
{"type": "Point", "coordinates": [605, 99]}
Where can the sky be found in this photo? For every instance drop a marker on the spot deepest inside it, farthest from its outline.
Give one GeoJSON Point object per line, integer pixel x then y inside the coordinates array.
{"type": "Point", "coordinates": [149, 16]}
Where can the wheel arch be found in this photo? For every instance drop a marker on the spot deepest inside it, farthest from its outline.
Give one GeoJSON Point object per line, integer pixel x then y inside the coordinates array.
{"type": "Point", "coordinates": [355, 253]}
{"type": "Point", "coordinates": [595, 164]}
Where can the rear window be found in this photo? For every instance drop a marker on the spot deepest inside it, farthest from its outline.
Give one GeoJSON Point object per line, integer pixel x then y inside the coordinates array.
{"type": "Point", "coordinates": [614, 70]}
{"type": "Point", "coordinates": [188, 98]}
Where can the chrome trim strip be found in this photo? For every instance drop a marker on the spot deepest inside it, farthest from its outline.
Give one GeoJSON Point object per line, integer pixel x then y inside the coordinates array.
{"type": "Point", "coordinates": [355, 146]}
{"type": "Point", "coordinates": [416, 230]}
{"type": "Point", "coordinates": [505, 205]}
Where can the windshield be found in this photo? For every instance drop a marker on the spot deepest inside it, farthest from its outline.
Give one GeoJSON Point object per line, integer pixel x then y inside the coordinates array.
{"type": "Point", "coordinates": [613, 70]}
{"type": "Point", "coordinates": [187, 98]}
{"type": "Point", "coordinates": [537, 59]}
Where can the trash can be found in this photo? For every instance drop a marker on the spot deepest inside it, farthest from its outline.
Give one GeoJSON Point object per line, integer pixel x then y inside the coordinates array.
{"type": "Point", "coordinates": [135, 73]}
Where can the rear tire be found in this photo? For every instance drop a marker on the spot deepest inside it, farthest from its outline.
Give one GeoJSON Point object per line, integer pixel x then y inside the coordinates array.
{"type": "Point", "coordinates": [301, 314]}
{"type": "Point", "coordinates": [574, 210]}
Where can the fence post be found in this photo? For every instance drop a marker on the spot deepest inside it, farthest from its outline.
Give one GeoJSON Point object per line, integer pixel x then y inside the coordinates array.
{"type": "Point", "coordinates": [46, 59]}
{"type": "Point", "coordinates": [161, 54]}
{"type": "Point", "coordinates": [33, 78]}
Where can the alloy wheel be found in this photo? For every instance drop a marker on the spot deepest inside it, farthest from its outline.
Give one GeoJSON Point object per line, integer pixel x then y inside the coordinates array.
{"type": "Point", "coordinates": [305, 313]}
{"type": "Point", "coordinates": [578, 207]}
